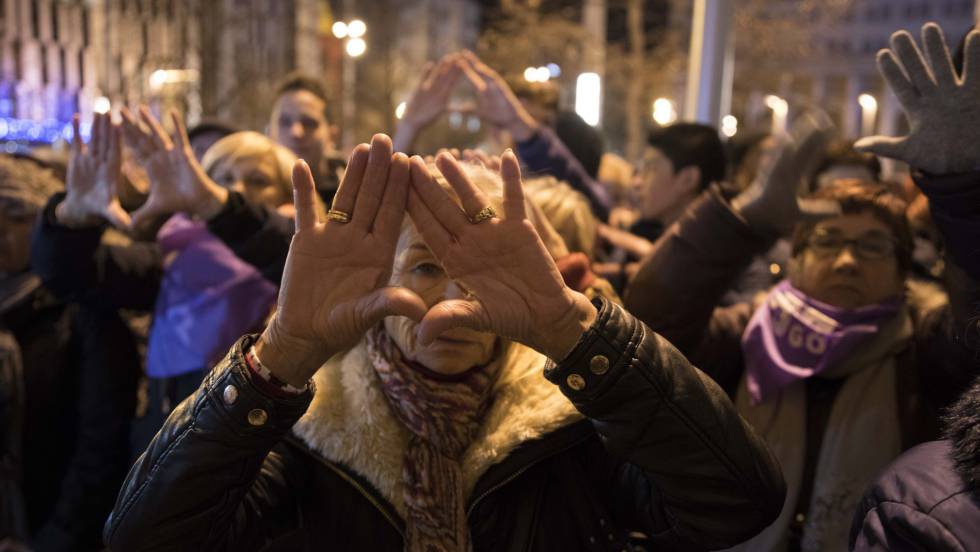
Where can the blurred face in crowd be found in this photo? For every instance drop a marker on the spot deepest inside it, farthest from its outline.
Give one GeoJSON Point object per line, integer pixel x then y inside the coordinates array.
{"type": "Point", "coordinates": [663, 192]}
{"type": "Point", "coordinates": [256, 177]}
{"type": "Point", "coordinates": [455, 351]}
{"type": "Point", "coordinates": [15, 243]}
{"type": "Point", "coordinates": [298, 123]}
{"type": "Point", "coordinates": [849, 262]}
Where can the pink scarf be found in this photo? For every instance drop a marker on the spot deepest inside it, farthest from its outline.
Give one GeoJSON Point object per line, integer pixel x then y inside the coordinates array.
{"type": "Point", "coordinates": [443, 414]}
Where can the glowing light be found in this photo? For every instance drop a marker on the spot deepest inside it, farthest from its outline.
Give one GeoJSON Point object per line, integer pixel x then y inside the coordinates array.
{"type": "Point", "coordinates": [473, 124]}
{"type": "Point", "coordinates": [664, 112]}
{"type": "Point", "coordinates": [455, 119]}
{"type": "Point", "coordinates": [400, 110]}
{"type": "Point", "coordinates": [868, 101]}
{"type": "Point", "coordinates": [588, 97]}
{"type": "Point", "coordinates": [780, 108]}
{"type": "Point", "coordinates": [101, 105]}
{"type": "Point", "coordinates": [158, 79]}
{"type": "Point", "coordinates": [356, 47]}
{"type": "Point", "coordinates": [339, 29]}
{"type": "Point", "coordinates": [554, 70]}
{"type": "Point", "coordinates": [531, 74]}
{"type": "Point", "coordinates": [356, 28]}
{"type": "Point", "coordinates": [729, 125]}
{"type": "Point", "coordinates": [543, 74]}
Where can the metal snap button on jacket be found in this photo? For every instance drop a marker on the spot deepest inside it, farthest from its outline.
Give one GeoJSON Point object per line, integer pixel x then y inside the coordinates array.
{"type": "Point", "coordinates": [599, 365]}
{"type": "Point", "coordinates": [576, 382]}
{"type": "Point", "coordinates": [230, 394]}
{"type": "Point", "coordinates": [258, 417]}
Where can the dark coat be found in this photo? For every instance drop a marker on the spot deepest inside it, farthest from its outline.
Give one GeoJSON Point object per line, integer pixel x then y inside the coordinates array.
{"type": "Point", "coordinates": [66, 436]}
{"type": "Point", "coordinates": [929, 499]}
{"type": "Point", "coordinates": [660, 451]}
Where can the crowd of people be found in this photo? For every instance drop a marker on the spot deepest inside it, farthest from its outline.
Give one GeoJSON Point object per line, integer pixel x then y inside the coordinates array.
{"type": "Point", "coordinates": [218, 339]}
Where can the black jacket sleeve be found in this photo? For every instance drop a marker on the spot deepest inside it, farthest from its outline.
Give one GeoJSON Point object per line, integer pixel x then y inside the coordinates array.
{"type": "Point", "coordinates": [109, 368]}
{"type": "Point", "coordinates": [210, 480]}
{"type": "Point", "coordinates": [704, 478]}
{"type": "Point", "coordinates": [77, 267]}
{"type": "Point", "coordinates": [257, 234]}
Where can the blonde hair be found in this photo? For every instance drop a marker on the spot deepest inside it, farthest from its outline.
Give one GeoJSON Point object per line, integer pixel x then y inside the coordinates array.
{"type": "Point", "coordinates": [567, 210]}
{"type": "Point", "coordinates": [239, 145]}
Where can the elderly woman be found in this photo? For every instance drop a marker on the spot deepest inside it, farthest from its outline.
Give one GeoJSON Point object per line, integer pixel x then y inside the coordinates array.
{"type": "Point", "coordinates": [844, 364]}
{"type": "Point", "coordinates": [402, 397]}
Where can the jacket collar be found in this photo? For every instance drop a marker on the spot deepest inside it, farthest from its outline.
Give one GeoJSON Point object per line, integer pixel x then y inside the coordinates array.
{"type": "Point", "coordinates": [349, 421]}
{"type": "Point", "coordinates": [961, 422]}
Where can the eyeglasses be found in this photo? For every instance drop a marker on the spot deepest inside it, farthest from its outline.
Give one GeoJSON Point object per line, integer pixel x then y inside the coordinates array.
{"type": "Point", "coordinates": [870, 247]}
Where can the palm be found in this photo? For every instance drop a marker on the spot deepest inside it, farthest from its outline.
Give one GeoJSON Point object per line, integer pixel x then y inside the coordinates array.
{"type": "Point", "coordinates": [93, 176]}
{"type": "Point", "coordinates": [941, 107]}
{"type": "Point", "coordinates": [430, 98]}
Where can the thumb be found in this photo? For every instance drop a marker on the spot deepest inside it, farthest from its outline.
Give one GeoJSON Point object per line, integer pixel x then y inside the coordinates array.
{"type": "Point", "coordinates": [454, 313]}
{"type": "Point", "coordinates": [393, 301]}
{"type": "Point", "coordinates": [884, 146]}
{"type": "Point", "coordinates": [146, 214]}
{"type": "Point", "coordinates": [117, 216]}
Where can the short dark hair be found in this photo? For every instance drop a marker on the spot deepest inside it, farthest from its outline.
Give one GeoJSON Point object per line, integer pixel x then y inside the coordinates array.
{"type": "Point", "coordinates": [296, 81]}
{"type": "Point", "coordinates": [692, 145]}
{"type": "Point", "coordinates": [854, 197]}
{"type": "Point", "coordinates": [583, 140]}
{"type": "Point", "coordinates": [207, 126]}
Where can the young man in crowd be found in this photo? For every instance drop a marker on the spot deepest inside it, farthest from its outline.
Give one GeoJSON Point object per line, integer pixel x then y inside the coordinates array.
{"type": "Point", "coordinates": [299, 122]}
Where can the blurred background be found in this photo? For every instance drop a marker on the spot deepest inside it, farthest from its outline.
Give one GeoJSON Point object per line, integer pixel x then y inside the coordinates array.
{"type": "Point", "coordinates": [623, 65]}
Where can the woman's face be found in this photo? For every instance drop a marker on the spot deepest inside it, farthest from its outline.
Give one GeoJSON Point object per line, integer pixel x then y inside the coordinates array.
{"type": "Point", "coordinates": [453, 352]}
{"type": "Point", "coordinates": [255, 177]}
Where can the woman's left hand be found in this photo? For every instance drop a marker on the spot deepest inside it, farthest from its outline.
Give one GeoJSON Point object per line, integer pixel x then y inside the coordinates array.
{"type": "Point", "coordinates": [516, 289]}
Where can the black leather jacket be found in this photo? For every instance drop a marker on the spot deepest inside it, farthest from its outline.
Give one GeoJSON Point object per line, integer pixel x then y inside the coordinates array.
{"type": "Point", "coordinates": [660, 452]}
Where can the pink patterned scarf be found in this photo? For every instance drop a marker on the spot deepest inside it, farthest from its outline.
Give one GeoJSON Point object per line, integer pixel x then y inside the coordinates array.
{"type": "Point", "coordinates": [443, 414]}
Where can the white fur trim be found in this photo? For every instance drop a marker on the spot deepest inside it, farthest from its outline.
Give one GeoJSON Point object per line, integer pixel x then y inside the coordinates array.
{"type": "Point", "coordinates": [349, 421]}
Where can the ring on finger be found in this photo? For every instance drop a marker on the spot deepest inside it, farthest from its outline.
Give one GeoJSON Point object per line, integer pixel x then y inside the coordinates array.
{"type": "Point", "coordinates": [337, 215]}
{"type": "Point", "coordinates": [486, 213]}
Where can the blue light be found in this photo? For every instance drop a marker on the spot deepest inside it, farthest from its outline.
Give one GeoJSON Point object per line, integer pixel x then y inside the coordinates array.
{"type": "Point", "coordinates": [47, 132]}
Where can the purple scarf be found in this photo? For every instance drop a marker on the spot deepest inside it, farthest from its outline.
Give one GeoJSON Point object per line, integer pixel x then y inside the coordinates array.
{"type": "Point", "coordinates": [792, 337]}
{"type": "Point", "coordinates": [208, 298]}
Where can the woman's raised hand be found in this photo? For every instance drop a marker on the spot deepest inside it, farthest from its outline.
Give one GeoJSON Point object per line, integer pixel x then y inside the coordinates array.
{"type": "Point", "coordinates": [178, 183]}
{"type": "Point", "coordinates": [335, 285]}
{"type": "Point", "coordinates": [93, 178]}
{"type": "Point", "coordinates": [515, 288]}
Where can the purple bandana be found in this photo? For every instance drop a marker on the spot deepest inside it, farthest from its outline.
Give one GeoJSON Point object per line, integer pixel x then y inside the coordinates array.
{"type": "Point", "coordinates": [792, 337]}
{"type": "Point", "coordinates": [207, 300]}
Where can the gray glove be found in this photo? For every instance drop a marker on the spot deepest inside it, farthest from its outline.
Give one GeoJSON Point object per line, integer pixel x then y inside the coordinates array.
{"type": "Point", "coordinates": [943, 109]}
{"type": "Point", "coordinates": [772, 203]}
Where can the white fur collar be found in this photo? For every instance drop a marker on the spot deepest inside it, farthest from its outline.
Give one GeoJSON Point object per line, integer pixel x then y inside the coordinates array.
{"type": "Point", "coordinates": [350, 423]}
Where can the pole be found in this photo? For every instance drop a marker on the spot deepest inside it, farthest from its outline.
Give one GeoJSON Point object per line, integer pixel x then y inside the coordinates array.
{"type": "Point", "coordinates": [710, 64]}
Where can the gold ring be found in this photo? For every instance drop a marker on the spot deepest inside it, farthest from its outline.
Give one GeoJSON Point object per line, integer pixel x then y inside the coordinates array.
{"type": "Point", "coordinates": [485, 214]}
{"type": "Point", "coordinates": [338, 216]}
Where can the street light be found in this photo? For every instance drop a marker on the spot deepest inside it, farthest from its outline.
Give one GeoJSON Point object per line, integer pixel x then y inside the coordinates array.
{"type": "Point", "coordinates": [729, 125]}
{"type": "Point", "coordinates": [356, 28]}
{"type": "Point", "coordinates": [869, 112]}
{"type": "Point", "coordinates": [339, 29]}
{"type": "Point", "coordinates": [664, 112]}
{"type": "Point", "coordinates": [780, 109]}
{"type": "Point", "coordinates": [588, 97]}
{"type": "Point", "coordinates": [101, 105]}
{"type": "Point", "coordinates": [356, 47]}
{"type": "Point", "coordinates": [352, 32]}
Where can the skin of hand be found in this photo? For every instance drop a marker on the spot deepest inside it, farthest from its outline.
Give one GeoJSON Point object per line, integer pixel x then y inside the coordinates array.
{"type": "Point", "coordinates": [336, 282]}
{"type": "Point", "coordinates": [496, 102]}
{"type": "Point", "coordinates": [515, 289]}
{"type": "Point", "coordinates": [94, 172]}
{"type": "Point", "coordinates": [428, 101]}
{"type": "Point", "coordinates": [178, 183]}
{"type": "Point", "coordinates": [772, 203]}
{"type": "Point", "coordinates": [943, 109]}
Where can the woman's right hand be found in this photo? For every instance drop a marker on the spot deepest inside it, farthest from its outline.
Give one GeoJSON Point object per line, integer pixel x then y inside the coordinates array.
{"type": "Point", "coordinates": [335, 284]}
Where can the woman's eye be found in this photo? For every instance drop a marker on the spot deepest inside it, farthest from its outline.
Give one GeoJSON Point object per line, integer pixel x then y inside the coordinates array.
{"type": "Point", "coordinates": [427, 269]}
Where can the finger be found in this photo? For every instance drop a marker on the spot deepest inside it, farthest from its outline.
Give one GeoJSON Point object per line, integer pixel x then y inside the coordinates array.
{"type": "Point", "coordinates": [180, 131]}
{"type": "Point", "coordinates": [117, 216]}
{"type": "Point", "coordinates": [95, 141]}
{"type": "Point", "coordinates": [472, 198]}
{"type": "Point", "coordinates": [428, 72]}
{"type": "Point", "coordinates": [436, 199]}
{"type": "Point", "coordinates": [303, 196]}
{"type": "Point", "coordinates": [159, 136]}
{"type": "Point", "coordinates": [146, 214]}
{"type": "Point", "coordinates": [939, 59]}
{"type": "Point", "coordinates": [343, 200]}
{"type": "Point", "coordinates": [114, 153]}
{"type": "Point", "coordinates": [471, 75]}
{"type": "Point", "coordinates": [388, 222]}
{"type": "Point", "coordinates": [510, 173]}
{"type": "Point", "coordinates": [433, 233]}
{"type": "Point", "coordinates": [392, 301]}
{"type": "Point", "coordinates": [897, 80]}
{"type": "Point", "coordinates": [132, 134]}
{"type": "Point", "coordinates": [368, 199]}
{"type": "Point", "coordinates": [77, 146]}
{"type": "Point", "coordinates": [884, 146]}
{"type": "Point", "coordinates": [971, 61]}
{"type": "Point", "coordinates": [910, 58]}
{"type": "Point", "coordinates": [454, 313]}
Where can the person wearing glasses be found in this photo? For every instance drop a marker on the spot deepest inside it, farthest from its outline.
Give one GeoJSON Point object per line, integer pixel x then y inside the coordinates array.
{"type": "Point", "coordinates": [845, 364]}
